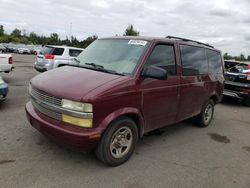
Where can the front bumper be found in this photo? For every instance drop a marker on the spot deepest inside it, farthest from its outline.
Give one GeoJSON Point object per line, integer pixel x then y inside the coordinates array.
{"type": "Point", "coordinates": [3, 91]}
{"type": "Point", "coordinates": [73, 137]}
{"type": "Point", "coordinates": [237, 90]}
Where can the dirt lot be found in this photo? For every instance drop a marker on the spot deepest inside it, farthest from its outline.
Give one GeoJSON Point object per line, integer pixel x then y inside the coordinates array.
{"type": "Point", "coordinates": [181, 155]}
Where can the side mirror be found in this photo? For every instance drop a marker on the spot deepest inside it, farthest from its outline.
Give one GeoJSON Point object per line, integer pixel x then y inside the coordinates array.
{"type": "Point", "coordinates": [154, 72]}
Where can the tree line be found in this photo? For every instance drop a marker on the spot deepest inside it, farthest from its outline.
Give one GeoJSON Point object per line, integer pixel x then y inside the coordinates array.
{"type": "Point", "coordinates": [19, 36]}
{"type": "Point", "coordinates": [241, 57]}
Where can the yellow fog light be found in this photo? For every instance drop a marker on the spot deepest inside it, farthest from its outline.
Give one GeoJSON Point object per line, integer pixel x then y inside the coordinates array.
{"type": "Point", "coordinates": [77, 121]}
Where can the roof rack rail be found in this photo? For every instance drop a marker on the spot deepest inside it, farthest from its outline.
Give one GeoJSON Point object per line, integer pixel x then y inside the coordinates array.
{"type": "Point", "coordinates": [179, 38]}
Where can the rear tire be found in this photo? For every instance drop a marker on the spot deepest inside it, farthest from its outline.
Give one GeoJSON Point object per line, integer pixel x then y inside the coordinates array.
{"type": "Point", "coordinates": [118, 142]}
{"type": "Point", "coordinates": [206, 115]}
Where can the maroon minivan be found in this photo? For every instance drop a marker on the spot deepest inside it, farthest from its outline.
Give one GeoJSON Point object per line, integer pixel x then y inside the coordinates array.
{"type": "Point", "coordinates": [121, 88]}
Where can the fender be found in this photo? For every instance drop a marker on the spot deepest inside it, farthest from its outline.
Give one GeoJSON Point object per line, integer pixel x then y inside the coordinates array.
{"type": "Point", "coordinates": [218, 99]}
{"type": "Point", "coordinates": [123, 112]}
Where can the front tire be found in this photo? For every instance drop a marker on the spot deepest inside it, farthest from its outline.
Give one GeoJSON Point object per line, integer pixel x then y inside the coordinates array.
{"type": "Point", "coordinates": [206, 115]}
{"type": "Point", "coordinates": [118, 142]}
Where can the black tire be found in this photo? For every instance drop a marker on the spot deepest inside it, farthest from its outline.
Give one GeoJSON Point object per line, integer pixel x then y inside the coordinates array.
{"type": "Point", "coordinates": [247, 101]}
{"type": "Point", "coordinates": [110, 138]}
{"type": "Point", "coordinates": [206, 116]}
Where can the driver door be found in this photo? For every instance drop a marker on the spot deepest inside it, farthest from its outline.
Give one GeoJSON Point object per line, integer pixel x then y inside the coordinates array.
{"type": "Point", "coordinates": [161, 97]}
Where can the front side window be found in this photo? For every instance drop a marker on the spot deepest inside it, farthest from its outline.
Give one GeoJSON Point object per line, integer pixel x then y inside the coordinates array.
{"type": "Point", "coordinates": [163, 56]}
{"type": "Point", "coordinates": [214, 62]}
{"type": "Point", "coordinates": [119, 55]}
{"type": "Point", "coordinates": [194, 60]}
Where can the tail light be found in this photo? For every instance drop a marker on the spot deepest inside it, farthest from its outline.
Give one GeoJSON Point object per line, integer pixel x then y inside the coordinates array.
{"type": "Point", "coordinates": [248, 72]}
{"type": "Point", "coordinates": [10, 60]}
{"type": "Point", "coordinates": [49, 56]}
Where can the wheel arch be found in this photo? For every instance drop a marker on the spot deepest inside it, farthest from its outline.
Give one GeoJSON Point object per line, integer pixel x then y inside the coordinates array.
{"type": "Point", "coordinates": [215, 98]}
{"type": "Point", "coordinates": [131, 113]}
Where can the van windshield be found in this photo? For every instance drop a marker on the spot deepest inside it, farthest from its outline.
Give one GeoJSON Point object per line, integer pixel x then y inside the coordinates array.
{"type": "Point", "coordinates": [236, 67]}
{"type": "Point", "coordinates": [118, 55]}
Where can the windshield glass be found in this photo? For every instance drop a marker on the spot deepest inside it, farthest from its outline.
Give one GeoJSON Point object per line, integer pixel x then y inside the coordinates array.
{"type": "Point", "coordinates": [236, 67]}
{"type": "Point", "coordinates": [117, 55]}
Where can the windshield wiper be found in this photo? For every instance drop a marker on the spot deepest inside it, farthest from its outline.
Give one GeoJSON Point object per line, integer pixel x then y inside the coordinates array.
{"type": "Point", "coordinates": [95, 65]}
{"type": "Point", "coordinates": [102, 69]}
{"type": "Point", "coordinates": [78, 61]}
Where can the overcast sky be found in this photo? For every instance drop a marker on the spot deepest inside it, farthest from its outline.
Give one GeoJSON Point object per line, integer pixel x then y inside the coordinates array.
{"type": "Point", "coordinates": [222, 23]}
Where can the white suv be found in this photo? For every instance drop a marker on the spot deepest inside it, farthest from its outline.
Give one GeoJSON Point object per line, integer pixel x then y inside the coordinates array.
{"type": "Point", "coordinates": [55, 56]}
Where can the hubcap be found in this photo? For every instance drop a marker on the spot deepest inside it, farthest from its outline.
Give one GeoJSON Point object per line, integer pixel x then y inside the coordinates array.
{"type": "Point", "coordinates": [121, 142]}
{"type": "Point", "coordinates": [208, 113]}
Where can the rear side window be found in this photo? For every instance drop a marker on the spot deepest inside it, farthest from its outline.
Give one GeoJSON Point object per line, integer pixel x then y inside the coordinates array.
{"type": "Point", "coordinates": [52, 51]}
{"type": "Point", "coordinates": [214, 62]}
{"type": "Point", "coordinates": [74, 52]}
{"type": "Point", "coordinates": [163, 56]}
{"type": "Point", "coordinates": [58, 51]}
{"type": "Point", "coordinates": [194, 60]}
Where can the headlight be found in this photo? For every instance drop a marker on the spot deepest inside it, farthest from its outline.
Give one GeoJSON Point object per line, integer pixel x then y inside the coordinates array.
{"type": "Point", "coordinates": [77, 106]}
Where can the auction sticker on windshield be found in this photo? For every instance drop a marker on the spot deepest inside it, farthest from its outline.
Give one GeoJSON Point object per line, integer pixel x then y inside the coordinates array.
{"type": "Point", "coordinates": [138, 42]}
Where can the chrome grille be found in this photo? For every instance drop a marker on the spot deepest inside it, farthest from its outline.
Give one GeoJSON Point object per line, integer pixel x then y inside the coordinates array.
{"type": "Point", "coordinates": [43, 103]}
{"type": "Point", "coordinates": [46, 111]}
{"type": "Point", "coordinates": [56, 101]}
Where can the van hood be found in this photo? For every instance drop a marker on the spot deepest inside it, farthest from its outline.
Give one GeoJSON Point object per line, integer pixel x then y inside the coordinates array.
{"type": "Point", "coordinates": [72, 82]}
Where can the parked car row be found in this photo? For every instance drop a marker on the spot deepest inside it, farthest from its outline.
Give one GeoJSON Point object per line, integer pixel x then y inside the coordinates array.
{"type": "Point", "coordinates": [20, 48]}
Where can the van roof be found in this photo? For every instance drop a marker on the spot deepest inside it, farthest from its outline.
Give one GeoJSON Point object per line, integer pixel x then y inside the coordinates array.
{"type": "Point", "coordinates": [165, 39]}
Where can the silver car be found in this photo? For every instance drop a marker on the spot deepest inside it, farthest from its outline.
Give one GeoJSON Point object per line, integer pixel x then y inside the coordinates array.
{"type": "Point", "coordinates": [55, 56]}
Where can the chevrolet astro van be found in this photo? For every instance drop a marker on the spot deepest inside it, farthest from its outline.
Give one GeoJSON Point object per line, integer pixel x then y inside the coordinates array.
{"type": "Point", "coordinates": [121, 88]}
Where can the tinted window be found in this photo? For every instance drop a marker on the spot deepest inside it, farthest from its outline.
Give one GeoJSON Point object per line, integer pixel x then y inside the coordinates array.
{"type": "Point", "coordinates": [52, 50]}
{"type": "Point", "coordinates": [58, 51]}
{"type": "Point", "coordinates": [214, 61]}
{"type": "Point", "coordinates": [193, 60]}
{"type": "Point", "coordinates": [74, 53]}
{"type": "Point", "coordinates": [163, 56]}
